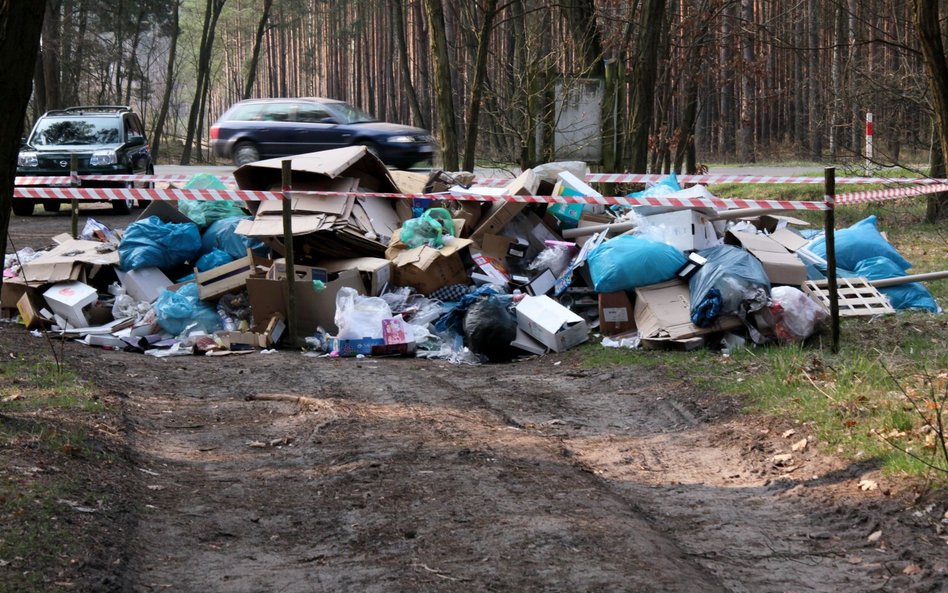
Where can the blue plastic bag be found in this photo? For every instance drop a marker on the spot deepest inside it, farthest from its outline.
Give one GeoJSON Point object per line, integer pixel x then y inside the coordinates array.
{"type": "Point", "coordinates": [913, 295]}
{"type": "Point", "coordinates": [730, 277]}
{"type": "Point", "coordinates": [175, 311]}
{"type": "Point", "coordinates": [858, 242]}
{"type": "Point", "coordinates": [666, 185]}
{"type": "Point", "coordinates": [211, 260]}
{"type": "Point", "coordinates": [627, 262]}
{"type": "Point", "coordinates": [220, 235]}
{"type": "Point", "coordinates": [152, 243]}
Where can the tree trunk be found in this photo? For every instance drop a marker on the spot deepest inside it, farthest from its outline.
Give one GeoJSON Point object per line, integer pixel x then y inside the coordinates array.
{"type": "Point", "coordinates": [927, 19]}
{"type": "Point", "coordinates": [444, 93]}
{"type": "Point", "coordinates": [52, 43]}
{"type": "Point", "coordinates": [480, 72]}
{"type": "Point", "coordinates": [405, 69]}
{"type": "Point", "coordinates": [582, 19]}
{"type": "Point", "coordinates": [816, 120]}
{"type": "Point", "coordinates": [211, 15]}
{"type": "Point", "coordinates": [255, 54]}
{"type": "Point", "coordinates": [644, 77]}
{"type": "Point", "coordinates": [169, 81]}
{"type": "Point", "coordinates": [745, 135]}
{"type": "Point", "coordinates": [20, 26]}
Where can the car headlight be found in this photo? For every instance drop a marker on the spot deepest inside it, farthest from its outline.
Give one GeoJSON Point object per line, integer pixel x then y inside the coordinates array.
{"type": "Point", "coordinates": [27, 159]}
{"type": "Point", "coordinates": [103, 157]}
{"type": "Point", "coordinates": [401, 139]}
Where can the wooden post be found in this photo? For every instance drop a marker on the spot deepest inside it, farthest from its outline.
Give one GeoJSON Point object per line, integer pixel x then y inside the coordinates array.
{"type": "Point", "coordinates": [74, 182]}
{"type": "Point", "coordinates": [287, 171]}
{"type": "Point", "coordinates": [829, 181]}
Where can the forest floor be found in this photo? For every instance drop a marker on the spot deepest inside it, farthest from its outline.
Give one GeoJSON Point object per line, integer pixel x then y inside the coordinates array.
{"type": "Point", "coordinates": [287, 473]}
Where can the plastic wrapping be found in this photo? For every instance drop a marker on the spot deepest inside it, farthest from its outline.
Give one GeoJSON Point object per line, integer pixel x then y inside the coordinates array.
{"type": "Point", "coordinates": [489, 328]}
{"type": "Point", "coordinates": [627, 262]}
{"type": "Point", "coordinates": [221, 235]}
{"type": "Point", "coordinates": [181, 310]}
{"type": "Point", "coordinates": [556, 258]}
{"type": "Point", "coordinates": [912, 295]}
{"type": "Point", "coordinates": [794, 315]}
{"type": "Point", "coordinates": [731, 279]}
{"type": "Point", "coordinates": [152, 243]}
{"type": "Point", "coordinates": [96, 231]}
{"type": "Point", "coordinates": [858, 242]}
{"type": "Point", "coordinates": [359, 316]}
{"type": "Point", "coordinates": [428, 229]}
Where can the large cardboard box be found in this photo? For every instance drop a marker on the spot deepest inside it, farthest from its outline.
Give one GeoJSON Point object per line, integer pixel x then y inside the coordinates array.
{"type": "Point", "coordinates": [71, 300]}
{"type": "Point", "coordinates": [616, 314]}
{"type": "Point", "coordinates": [664, 311]}
{"type": "Point", "coordinates": [782, 267]}
{"type": "Point", "coordinates": [313, 309]}
{"type": "Point", "coordinates": [376, 271]}
{"type": "Point", "coordinates": [688, 230]}
{"type": "Point", "coordinates": [425, 268]}
{"type": "Point", "coordinates": [550, 323]}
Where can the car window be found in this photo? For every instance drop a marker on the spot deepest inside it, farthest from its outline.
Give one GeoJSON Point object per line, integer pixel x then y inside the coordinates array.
{"type": "Point", "coordinates": [349, 114]}
{"type": "Point", "coordinates": [57, 131]}
{"type": "Point", "coordinates": [249, 112]}
{"type": "Point", "coordinates": [311, 113]}
{"type": "Point", "coordinates": [134, 127]}
{"type": "Point", "coordinates": [277, 112]}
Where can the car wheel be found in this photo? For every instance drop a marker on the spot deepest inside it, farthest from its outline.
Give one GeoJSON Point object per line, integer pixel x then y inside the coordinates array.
{"type": "Point", "coordinates": [122, 206]}
{"type": "Point", "coordinates": [52, 205]}
{"type": "Point", "coordinates": [246, 152]}
{"type": "Point", "coordinates": [23, 207]}
{"type": "Point", "coordinates": [146, 185]}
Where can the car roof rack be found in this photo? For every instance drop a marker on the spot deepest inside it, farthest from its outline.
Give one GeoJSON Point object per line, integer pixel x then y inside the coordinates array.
{"type": "Point", "coordinates": [82, 109]}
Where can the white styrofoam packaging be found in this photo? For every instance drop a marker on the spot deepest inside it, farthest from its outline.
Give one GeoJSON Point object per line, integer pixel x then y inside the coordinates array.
{"type": "Point", "coordinates": [144, 284]}
{"type": "Point", "coordinates": [550, 323]}
{"type": "Point", "coordinates": [69, 299]}
{"type": "Point", "coordinates": [687, 230]}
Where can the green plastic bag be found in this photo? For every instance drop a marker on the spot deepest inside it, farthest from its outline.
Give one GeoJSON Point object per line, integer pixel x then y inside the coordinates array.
{"type": "Point", "coordinates": [428, 229]}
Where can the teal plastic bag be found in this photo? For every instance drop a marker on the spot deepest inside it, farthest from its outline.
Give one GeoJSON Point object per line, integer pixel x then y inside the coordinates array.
{"type": "Point", "coordinates": [858, 242]}
{"type": "Point", "coordinates": [175, 311]}
{"type": "Point", "coordinates": [912, 295]}
{"type": "Point", "coordinates": [627, 262]}
{"type": "Point", "coordinates": [428, 229]}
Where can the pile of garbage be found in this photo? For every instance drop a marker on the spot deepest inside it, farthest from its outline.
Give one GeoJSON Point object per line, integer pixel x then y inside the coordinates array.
{"type": "Point", "coordinates": [466, 280]}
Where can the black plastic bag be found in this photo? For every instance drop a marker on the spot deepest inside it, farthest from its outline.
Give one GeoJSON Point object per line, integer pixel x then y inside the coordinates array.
{"type": "Point", "coordinates": [489, 328]}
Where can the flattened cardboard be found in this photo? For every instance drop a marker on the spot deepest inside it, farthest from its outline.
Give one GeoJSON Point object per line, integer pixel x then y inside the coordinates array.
{"type": "Point", "coordinates": [550, 323]}
{"type": "Point", "coordinates": [782, 267]}
{"type": "Point", "coordinates": [664, 311]}
{"type": "Point", "coordinates": [313, 168]}
{"type": "Point", "coordinates": [165, 211]}
{"type": "Point", "coordinates": [616, 314]}
{"type": "Point", "coordinates": [58, 264]}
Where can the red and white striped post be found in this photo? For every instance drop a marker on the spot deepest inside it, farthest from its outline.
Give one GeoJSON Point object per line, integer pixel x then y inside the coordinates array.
{"type": "Point", "coordinates": [868, 143]}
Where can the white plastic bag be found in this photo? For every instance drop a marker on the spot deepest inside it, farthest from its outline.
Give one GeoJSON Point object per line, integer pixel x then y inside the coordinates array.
{"type": "Point", "coordinates": [795, 315]}
{"type": "Point", "coordinates": [359, 316]}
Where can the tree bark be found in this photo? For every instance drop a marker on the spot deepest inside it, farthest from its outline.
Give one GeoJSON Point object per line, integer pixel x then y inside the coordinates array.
{"type": "Point", "coordinates": [644, 77]}
{"type": "Point", "coordinates": [927, 19]}
{"type": "Point", "coordinates": [444, 93]}
{"type": "Point", "coordinates": [20, 26]}
{"type": "Point", "coordinates": [211, 15]}
{"type": "Point", "coordinates": [480, 72]}
{"type": "Point", "coordinates": [169, 81]}
{"type": "Point", "coordinates": [745, 135]}
{"type": "Point", "coordinates": [255, 54]}
{"type": "Point", "coordinates": [52, 45]}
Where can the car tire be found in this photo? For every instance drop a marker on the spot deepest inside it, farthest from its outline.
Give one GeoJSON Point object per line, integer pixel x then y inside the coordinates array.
{"type": "Point", "coordinates": [52, 205]}
{"type": "Point", "coordinates": [122, 206]}
{"type": "Point", "coordinates": [146, 185]}
{"type": "Point", "coordinates": [246, 152]}
{"type": "Point", "coordinates": [23, 207]}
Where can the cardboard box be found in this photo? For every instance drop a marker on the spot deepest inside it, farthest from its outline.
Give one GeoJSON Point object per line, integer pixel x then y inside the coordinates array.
{"type": "Point", "coordinates": [313, 309]}
{"type": "Point", "coordinates": [376, 272]}
{"type": "Point", "coordinates": [30, 312]}
{"type": "Point", "coordinates": [144, 284]}
{"type": "Point", "coordinates": [262, 337]}
{"type": "Point", "coordinates": [354, 347]}
{"type": "Point", "coordinates": [550, 323]}
{"type": "Point", "coordinates": [782, 267]}
{"type": "Point", "coordinates": [616, 314]}
{"type": "Point", "coordinates": [303, 273]}
{"type": "Point", "coordinates": [70, 300]}
{"type": "Point", "coordinates": [688, 230]}
{"type": "Point", "coordinates": [789, 239]}
{"type": "Point", "coordinates": [229, 277]}
{"type": "Point", "coordinates": [425, 268]}
{"type": "Point", "coordinates": [664, 311]}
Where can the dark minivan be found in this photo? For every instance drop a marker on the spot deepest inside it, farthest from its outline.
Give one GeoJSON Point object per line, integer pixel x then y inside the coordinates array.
{"type": "Point", "coordinates": [258, 129]}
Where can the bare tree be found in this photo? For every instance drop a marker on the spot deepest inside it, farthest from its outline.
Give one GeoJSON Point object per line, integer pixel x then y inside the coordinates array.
{"type": "Point", "coordinates": [169, 81]}
{"type": "Point", "coordinates": [928, 24]}
{"type": "Point", "coordinates": [255, 54]}
{"type": "Point", "coordinates": [444, 92]}
{"type": "Point", "coordinates": [211, 15]}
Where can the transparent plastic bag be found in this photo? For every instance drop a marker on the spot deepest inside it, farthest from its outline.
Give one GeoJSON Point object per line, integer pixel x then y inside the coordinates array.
{"type": "Point", "coordinates": [359, 316]}
{"type": "Point", "coordinates": [795, 316]}
{"type": "Point", "coordinates": [428, 229]}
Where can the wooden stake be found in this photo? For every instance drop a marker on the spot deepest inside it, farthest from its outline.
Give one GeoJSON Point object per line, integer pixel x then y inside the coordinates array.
{"type": "Point", "coordinates": [74, 203]}
{"type": "Point", "coordinates": [830, 199]}
{"type": "Point", "coordinates": [287, 174]}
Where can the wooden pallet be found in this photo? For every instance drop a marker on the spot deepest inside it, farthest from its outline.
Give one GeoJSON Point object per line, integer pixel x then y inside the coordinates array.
{"type": "Point", "coordinates": [857, 298]}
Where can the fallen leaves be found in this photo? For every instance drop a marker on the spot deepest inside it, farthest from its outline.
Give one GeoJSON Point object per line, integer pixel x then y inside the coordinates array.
{"type": "Point", "coordinates": [868, 485]}
{"type": "Point", "coordinates": [875, 536]}
{"type": "Point", "coordinates": [799, 445]}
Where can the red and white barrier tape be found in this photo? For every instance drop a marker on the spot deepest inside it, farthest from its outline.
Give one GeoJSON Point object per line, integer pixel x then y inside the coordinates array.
{"type": "Point", "coordinates": [67, 180]}
{"type": "Point", "coordinates": [719, 179]}
{"type": "Point", "coordinates": [881, 195]}
{"type": "Point", "coordinates": [243, 195]}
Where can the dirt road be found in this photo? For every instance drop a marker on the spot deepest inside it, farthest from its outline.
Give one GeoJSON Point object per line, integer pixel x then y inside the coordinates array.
{"type": "Point", "coordinates": [414, 475]}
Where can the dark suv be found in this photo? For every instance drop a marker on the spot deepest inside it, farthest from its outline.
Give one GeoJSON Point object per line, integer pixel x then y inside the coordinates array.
{"type": "Point", "coordinates": [268, 128]}
{"type": "Point", "coordinates": [108, 139]}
